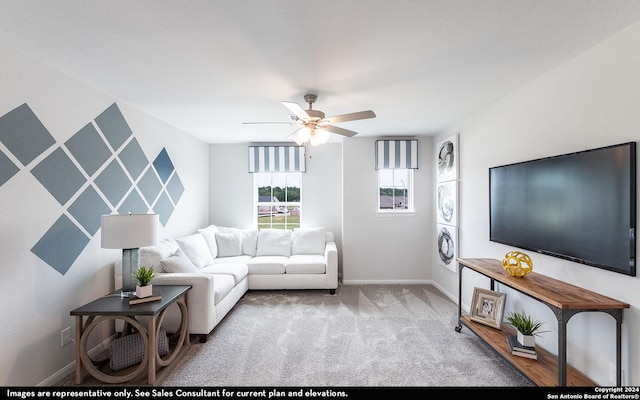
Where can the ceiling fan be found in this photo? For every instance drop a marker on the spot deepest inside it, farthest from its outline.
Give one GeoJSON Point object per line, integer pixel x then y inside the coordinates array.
{"type": "Point", "coordinates": [315, 128]}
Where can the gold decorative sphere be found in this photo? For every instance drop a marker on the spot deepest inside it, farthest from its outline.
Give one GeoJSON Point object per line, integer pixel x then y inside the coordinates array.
{"type": "Point", "coordinates": [518, 264]}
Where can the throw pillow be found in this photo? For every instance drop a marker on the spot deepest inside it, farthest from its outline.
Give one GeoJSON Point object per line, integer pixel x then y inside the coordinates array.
{"type": "Point", "coordinates": [308, 241]}
{"type": "Point", "coordinates": [249, 238]}
{"type": "Point", "coordinates": [274, 242]}
{"type": "Point", "coordinates": [249, 242]}
{"type": "Point", "coordinates": [152, 255]}
{"type": "Point", "coordinates": [178, 262]}
{"type": "Point", "coordinates": [196, 248]}
{"type": "Point", "coordinates": [209, 234]}
{"type": "Point", "coordinates": [229, 244]}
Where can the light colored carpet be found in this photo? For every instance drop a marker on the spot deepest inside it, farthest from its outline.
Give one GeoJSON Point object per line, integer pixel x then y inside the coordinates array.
{"type": "Point", "coordinates": [364, 336]}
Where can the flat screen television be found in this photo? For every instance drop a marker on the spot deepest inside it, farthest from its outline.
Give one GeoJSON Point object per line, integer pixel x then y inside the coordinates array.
{"type": "Point", "coordinates": [579, 206]}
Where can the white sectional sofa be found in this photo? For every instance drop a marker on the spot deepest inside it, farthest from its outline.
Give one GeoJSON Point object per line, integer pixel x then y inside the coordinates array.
{"type": "Point", "coordinates": [222, 263]}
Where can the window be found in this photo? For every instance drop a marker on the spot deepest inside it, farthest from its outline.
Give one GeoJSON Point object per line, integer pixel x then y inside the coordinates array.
{"type": "Point", "coordinates": [277, 199]}
{"type": "Point", "coordinates": [395, 190]}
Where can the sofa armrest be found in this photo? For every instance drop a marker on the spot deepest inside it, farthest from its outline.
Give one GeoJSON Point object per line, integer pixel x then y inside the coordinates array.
{"type": "Point", "coordinates": [331, 255]}
{"type": "Point", "coordinates": [201, 285]}
{"type": "Point", "coordinates": [200, 298]}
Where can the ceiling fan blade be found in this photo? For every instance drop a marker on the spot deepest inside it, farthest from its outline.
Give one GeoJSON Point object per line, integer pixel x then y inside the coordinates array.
{"type": "Point", "coordinates": [297, 110]}
{"type": "Point", "coordinates": [279, 123]}
{"type": "Point", "coordinates": [350, 117]}
{"type": "Point", "coordinates": [294, 132]}
{"type": "Point", "coordinates": [339, 131]}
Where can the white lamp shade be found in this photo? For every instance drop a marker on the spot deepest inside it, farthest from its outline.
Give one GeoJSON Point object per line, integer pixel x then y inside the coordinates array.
{"type": "Point", "coordinates": [302, 135]}
{"type": "Point", "coordinates": [129, 231]}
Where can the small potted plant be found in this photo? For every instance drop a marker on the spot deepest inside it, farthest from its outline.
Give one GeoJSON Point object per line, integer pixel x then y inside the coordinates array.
{"type": "Point", "coordinates": [143, 275]}
{"type": "Point", "coordinates": [527, 328]}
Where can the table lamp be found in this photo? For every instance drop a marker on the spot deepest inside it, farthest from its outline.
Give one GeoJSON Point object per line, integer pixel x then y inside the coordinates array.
{"type": "Point", "coordinates": [129, 232]}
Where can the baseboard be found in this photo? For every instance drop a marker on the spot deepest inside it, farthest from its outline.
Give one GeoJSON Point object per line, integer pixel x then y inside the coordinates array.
{"type": "Point", "coordinates": [388, 282]}
{"type": "Point", "coordinates": [71, 367]}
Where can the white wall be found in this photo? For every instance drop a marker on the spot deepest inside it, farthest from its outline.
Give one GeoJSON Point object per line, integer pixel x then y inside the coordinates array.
{"type": "Point", "coordinates": [36, 299]}
{"type": "Point", "coordinates": [591, 101]}
{"type": "Point", "coordinates": [385, 249]}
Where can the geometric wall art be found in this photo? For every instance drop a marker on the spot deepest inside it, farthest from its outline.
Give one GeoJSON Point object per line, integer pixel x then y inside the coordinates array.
{"type": "Point", "coordinates": [100, 170]}
{"type": "Point", "coordinates": [447, 209]}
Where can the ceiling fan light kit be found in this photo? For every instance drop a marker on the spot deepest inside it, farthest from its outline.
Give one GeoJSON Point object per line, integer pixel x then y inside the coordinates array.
{"type": "Point", "coordinates": [315, 128]}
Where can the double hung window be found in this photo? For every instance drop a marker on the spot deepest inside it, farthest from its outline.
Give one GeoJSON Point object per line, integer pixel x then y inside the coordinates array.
{"type": "Point", "coordinates": [277, 196]}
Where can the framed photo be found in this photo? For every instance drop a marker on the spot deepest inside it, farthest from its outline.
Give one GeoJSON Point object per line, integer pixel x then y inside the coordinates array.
{"type": "Point", "coordinates": [487, 307]}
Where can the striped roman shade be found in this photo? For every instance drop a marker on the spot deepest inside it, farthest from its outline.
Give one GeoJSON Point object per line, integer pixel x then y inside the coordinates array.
{"type": "Point", "coordinates": [397, 154]}
{"type": "Point", "coordinates": [277, 159]}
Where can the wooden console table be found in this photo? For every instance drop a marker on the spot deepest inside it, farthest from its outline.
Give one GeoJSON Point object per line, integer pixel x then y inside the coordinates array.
{"type": "Point", "coordinates": [113, 307]}
{"type": "Point", "coordinates": [565, 300]}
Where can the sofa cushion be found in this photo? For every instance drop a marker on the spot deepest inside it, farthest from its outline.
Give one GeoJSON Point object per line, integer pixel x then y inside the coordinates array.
{"type": "Point", "coordinates": [249, 242]}
{"type": "Point", "coordinates": [152, 255]}
{"type": "Point", "coordinates": [249, 238]}
{"type": "Point", "coordinates": [178, 262]}
{"type": "Point", "coordinates": [209, 234]}
{"type": "Point", "coordinates": [237, 270]}
{"type": "Point", "coordinates": [229, 244]}
{"type": "Point", "coordinates": [274, 242]}
{"type": "Point", "coordinates": [306, 264]}
{"type": "Point", "coordinates": [267, 265]}
{"type": "Point", "coordinates": [308, 241]}
{"type": "Point", "coordinates": [233, 260]}
{"type": "Point", "coordinates": [196, 248]}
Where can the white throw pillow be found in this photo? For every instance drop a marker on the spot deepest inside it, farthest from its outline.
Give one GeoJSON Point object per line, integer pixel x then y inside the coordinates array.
{"type": "Point", "coordinates": [274, 242]}
{"type": "Point", "coordinates": [152, 255]}
{"type": "Point", "coordinates": [178, 262]}
{"type": "Point", "coordinates": [229, 244]}
{"type": "Point", "coordinates": [308, 241]}
{"type": "Point", "coordinates": [196, 248]}
{"type": "Point", "coordinates": [209, 234]}
{"type": "Point", "coordinates": [249, 242]}
{"type": "Point", "coordinates": [249, 239]}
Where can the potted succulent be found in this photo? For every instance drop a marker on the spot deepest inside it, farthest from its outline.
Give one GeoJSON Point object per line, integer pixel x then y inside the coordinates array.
{"type": "Point", "coordinates": [527, 327]}
{"type": "Point", "coordinates": [143, 275]}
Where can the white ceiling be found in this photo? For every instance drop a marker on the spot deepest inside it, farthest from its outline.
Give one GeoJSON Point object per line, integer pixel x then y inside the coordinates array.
{"type": "Point", "coordinates": [206, 66]}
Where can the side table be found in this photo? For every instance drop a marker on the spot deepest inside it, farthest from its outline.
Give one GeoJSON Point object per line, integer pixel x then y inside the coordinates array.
{"type": "Point", "coordinates": [112, 307]}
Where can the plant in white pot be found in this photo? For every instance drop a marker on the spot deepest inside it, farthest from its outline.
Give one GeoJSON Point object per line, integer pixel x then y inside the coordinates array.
{"type": "Point", "coordinates": [143, 275]}
{"type": "Point", "coordinates": [527, 328]}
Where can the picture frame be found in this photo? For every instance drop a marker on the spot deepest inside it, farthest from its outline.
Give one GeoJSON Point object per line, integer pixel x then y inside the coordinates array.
{"type": "Point", "coordinates": [487, 307]}
{"type": "Point", "coordinates": [447, 246]}
{"type": "Point", "coordinates": [447, 203]}
{"type": "Point", "coordinates": [447, 159]}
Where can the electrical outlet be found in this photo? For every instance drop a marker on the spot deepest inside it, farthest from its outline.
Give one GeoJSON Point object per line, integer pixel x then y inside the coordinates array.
{"type": "Point", "coordinates": [612, 373]}
{"type": "Point", "coordinates": [65, 336]}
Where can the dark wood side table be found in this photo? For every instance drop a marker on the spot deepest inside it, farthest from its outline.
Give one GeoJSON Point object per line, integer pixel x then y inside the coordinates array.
{"type": "Point", "coordinates": [113, 307]}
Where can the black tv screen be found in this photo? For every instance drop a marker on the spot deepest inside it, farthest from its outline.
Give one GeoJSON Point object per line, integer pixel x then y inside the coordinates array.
{"type": "Point", "coordinates": [579, 206]}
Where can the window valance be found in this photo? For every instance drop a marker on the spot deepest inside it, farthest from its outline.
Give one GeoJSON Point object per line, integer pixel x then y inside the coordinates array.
{"type": "Point", "coordinates": [277, 159]}
{"type": "Point", "coordinates": [397, 154]}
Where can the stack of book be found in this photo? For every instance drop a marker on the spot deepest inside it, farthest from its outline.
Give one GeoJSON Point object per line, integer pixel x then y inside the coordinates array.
{"type": "Point", "coordinates": [140, 300]}
{"type": "Point", "coordinates": [519, 349]}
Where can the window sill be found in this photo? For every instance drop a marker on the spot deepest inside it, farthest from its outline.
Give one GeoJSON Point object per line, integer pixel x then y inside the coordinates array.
{"type": "Point", "coordinates": [395, 214]}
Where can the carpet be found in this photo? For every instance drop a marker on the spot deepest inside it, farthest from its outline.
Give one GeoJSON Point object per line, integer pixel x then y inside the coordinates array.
{"type": "Point", "coordinates": [363, 336]}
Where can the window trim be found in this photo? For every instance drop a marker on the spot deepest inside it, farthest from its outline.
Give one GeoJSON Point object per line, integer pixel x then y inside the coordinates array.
{"type": "Point", "coordinates": [257, 203]}
{"type": "Point", "coordinates": [410, 210]}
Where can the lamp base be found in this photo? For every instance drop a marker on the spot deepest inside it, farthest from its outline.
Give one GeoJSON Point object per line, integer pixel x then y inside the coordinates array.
{"type": "Point", "coordinates": [130, 260]}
